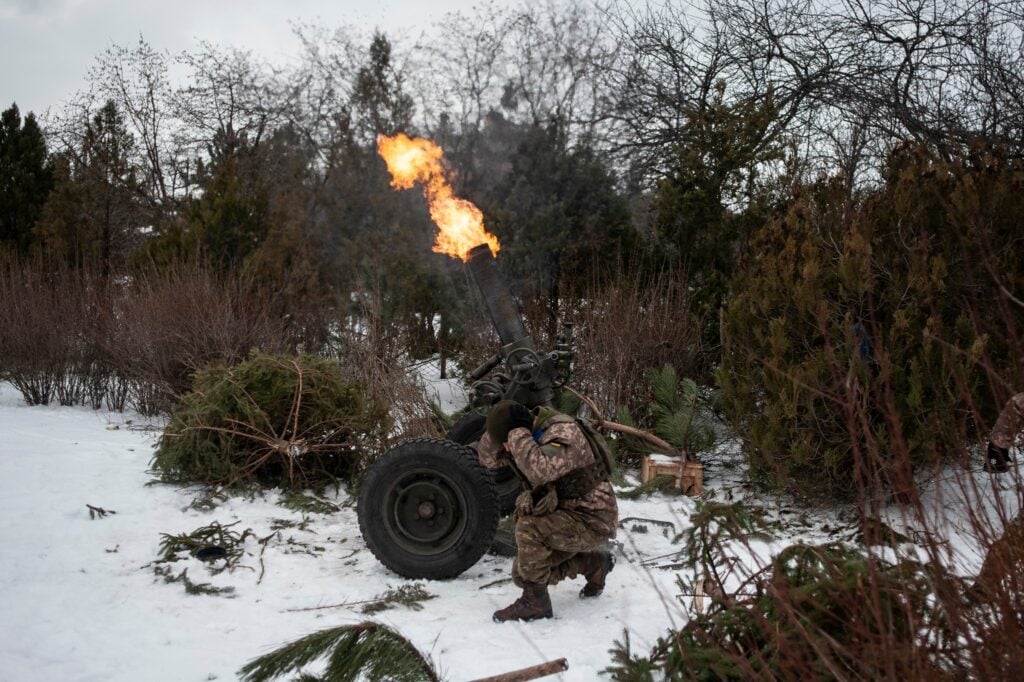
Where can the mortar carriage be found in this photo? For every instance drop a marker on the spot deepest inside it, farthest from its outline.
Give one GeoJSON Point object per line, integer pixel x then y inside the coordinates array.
{"type": "Point", "coordinates": [428, 508]}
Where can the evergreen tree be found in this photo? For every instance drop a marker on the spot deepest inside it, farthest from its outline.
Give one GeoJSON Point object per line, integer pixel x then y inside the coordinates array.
{"type": "Point", "coordinates": [711, 200]}
{"type": "Point", "coordinates": [861, 340]}
{"type": "Point", "coordinates": [231, 218]}
{"type": "Point", "coordinates": [378, 98]}
{"type": "Point", "coordinates": [94, 214]}
{"type": "Point", "coordinates": [558, 214]}
{"type": "Point", "coordinates": [26, 178]}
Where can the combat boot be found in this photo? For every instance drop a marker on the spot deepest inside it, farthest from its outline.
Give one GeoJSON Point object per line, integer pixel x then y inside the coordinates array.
{"type": "Point", "coordinates": [596, 567]}
{"type": "Point", "coordinates": [534, 604]}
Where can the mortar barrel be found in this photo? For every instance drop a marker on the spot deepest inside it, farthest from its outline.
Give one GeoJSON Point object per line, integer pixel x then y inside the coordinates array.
{"type": "Point", "coordinates": [500, 305]}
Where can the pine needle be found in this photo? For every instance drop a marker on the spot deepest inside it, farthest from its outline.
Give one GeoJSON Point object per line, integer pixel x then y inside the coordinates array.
{"type": "Point", "coordinates": [366, 650]}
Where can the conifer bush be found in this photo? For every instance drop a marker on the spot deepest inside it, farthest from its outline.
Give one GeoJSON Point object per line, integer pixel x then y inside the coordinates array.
{"type": "Point", "coordinates": [866, 338]}
{"type": "Point", "coordinates": [817, 612]}
{"type": "Point", "coordinates": [296, 422]}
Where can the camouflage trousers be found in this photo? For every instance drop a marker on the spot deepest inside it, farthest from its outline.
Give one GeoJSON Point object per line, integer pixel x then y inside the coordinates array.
{"type": "Point", "coordinates": [549, 546]}
{"type": "Point", "coordinates": [1009, 423]}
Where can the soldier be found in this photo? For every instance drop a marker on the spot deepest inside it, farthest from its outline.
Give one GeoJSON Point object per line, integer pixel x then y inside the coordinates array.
{"type": "Point", "coordinates": [1008, 425]}
{"type": "Point", "coordinates": [566, 511]}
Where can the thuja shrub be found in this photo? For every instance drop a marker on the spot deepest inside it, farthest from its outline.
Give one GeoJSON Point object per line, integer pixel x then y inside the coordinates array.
{"type": "Point", "coordinates": [281, 420]}
{"type": "Point", "coordinates": [865, 339]}
{"type": "Point", "coordinates": [817, 612]}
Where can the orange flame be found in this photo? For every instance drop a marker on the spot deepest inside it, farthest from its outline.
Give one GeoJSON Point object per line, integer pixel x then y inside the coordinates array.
{"type": "Point", "coordinates": [414, 160]}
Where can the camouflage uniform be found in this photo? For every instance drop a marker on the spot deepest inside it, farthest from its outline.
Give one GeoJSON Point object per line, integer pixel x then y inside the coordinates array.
{"type": "Point", "coordinates": [550, 540]}
{"type": "Point", "coordinates": [1009, 423]}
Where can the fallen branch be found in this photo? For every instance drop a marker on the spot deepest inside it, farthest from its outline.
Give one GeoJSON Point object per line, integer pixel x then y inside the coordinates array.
{"type": "Point", "coordinates": [602, 423]}
{"type": "Point", "coordinates": [98, 512]}
{"type": "Point", "coordinates": [531, 673]}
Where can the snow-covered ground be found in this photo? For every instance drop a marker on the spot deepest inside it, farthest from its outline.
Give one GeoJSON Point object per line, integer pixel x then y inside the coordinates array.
{"type": "Point", "coordinates": [80, 599]}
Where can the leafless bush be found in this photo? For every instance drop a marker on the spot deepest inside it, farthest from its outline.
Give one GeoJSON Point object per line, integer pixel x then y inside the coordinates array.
{"type": "Point", "coordinates": [627, 326]}
{"type": "Point", "coordinates": [374, 353]}
{"type": "Point", "coordinates": [48, 333]}
{"type": "Point", "coordinates": [166, 326]}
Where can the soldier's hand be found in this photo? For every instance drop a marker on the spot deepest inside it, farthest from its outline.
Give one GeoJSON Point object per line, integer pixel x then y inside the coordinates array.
{"type": "Point", "coordinates": [520, 417]}
{"type": "Point", "coordinates": [547, 503]}
{"type": "Point", "coordinates": [524, 504]}
{"type": "Point", "coordinates": [997, 459]}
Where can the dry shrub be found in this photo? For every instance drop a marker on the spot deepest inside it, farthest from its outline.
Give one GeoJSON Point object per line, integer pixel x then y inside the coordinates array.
{"type": "Point", "coordinates": [890, 610]}
{"type": "Point", "coordinates": [164, 327]}
{"type": "Point", "coordinates": [49, 332]}
{"type": "Point", "coordinates": [374, 353]}
{"type": "Point", "coordinates": [627, 326]}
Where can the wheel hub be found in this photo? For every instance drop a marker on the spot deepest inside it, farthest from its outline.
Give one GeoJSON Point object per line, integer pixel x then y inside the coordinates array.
{"type": "Point", "coordinates": [426, 512]}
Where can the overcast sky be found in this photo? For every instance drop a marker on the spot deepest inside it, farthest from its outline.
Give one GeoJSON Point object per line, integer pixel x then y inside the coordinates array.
{"type": "Point", "coordinates": [47, 46]}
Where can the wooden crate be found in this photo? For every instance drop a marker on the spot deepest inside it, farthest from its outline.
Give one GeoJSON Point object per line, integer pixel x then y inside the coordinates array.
{"type": "Point", "coordinates": [658, 465]}
{"type": "Point", "coordinates": [689, 476]}
{"type": "Point", "coordinates": [692, 478]}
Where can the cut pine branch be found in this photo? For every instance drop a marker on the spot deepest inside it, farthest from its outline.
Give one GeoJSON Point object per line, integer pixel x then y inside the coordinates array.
{"type": "Point", "coordinates": [603, 423]}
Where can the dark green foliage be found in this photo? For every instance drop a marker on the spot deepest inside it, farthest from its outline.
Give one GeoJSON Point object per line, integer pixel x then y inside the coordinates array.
{"type": "Point", "coordinates": [713, 198]}
{"type": "Point", "coordinates": [820, 612]}
{"type": "Point", "coordinates": [557, 212]}
{"type": "Point", "coordinates": [291, 421]}
{"type": "Point", "coordinates": [676, 413]}
{"type": "Point", "coordinates": [365, 651]}
{"type": "Point", "coordinates": [215, 534]}
{"type": "Point", "coordinates": [93, 215]}
{"type": "Point", "coordinates": [26, 178]}
{"type": "Point", "coordinates": [167, 573]}
{"type": "Point", "coordinates": [231, 219]}
{"type": "Point", "coordinates": [380, 102]}
{"type": "Point", "coordinates": [712, 526]}
{"type": "Point", "coordinates": [860, 337]}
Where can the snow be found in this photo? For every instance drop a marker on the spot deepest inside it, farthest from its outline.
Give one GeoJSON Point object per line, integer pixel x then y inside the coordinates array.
{"type": "Point", "coordinates": [82, 602]}
{"type": "Point", "coordinates": [656, 458]}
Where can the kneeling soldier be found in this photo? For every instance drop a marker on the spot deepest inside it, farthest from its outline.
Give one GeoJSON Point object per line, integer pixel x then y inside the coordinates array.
{"type": "Point", "coordinates": [566, 511]}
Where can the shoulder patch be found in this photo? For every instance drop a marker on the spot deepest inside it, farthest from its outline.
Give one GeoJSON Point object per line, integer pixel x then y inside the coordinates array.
{"type": "Point", "coordinates": [553, 449]}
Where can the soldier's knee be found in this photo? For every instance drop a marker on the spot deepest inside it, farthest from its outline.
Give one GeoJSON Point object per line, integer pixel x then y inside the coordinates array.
{"type": "Point", "coordinates": [528, 531]}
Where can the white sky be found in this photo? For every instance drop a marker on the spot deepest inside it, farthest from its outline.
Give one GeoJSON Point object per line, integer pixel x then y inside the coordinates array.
{"type": "Point", "coordinates": [47, 46]}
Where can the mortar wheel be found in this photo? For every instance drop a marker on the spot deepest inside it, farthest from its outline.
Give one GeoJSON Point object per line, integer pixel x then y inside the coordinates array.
{"type": "Point", "coordinates": [428, 509]}
{"type": "Point", "coordinates": [468, 430]}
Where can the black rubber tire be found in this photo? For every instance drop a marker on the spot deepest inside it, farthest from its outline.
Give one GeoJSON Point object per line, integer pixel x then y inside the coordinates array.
{"type": "Point", "coordinates": [467, 430]}
{"type": "Point", "coordinates": [428, 509]}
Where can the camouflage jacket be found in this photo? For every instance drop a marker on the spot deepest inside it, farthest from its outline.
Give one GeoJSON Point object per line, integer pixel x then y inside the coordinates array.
{"type": "Point", "coordinates": [1009, 423]}
{"type": "Point", "coordinates": [561, 448]}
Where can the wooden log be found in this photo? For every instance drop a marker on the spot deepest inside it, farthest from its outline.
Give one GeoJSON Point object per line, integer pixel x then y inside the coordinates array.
{"type": "Point", "coordinates": [531, 673]}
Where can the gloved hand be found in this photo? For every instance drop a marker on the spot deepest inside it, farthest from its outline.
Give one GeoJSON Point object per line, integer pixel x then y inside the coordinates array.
{"type": "Point", "coordinates": [547, 503]}
{"type": "Point", "coordinates": [519, 417]}
{"type": "Point", "coordinates": [524, 505]}
{"type": "Point", "coordinates": [505, 416]}
{"type": "Point", "coordinates": [997, 459]}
